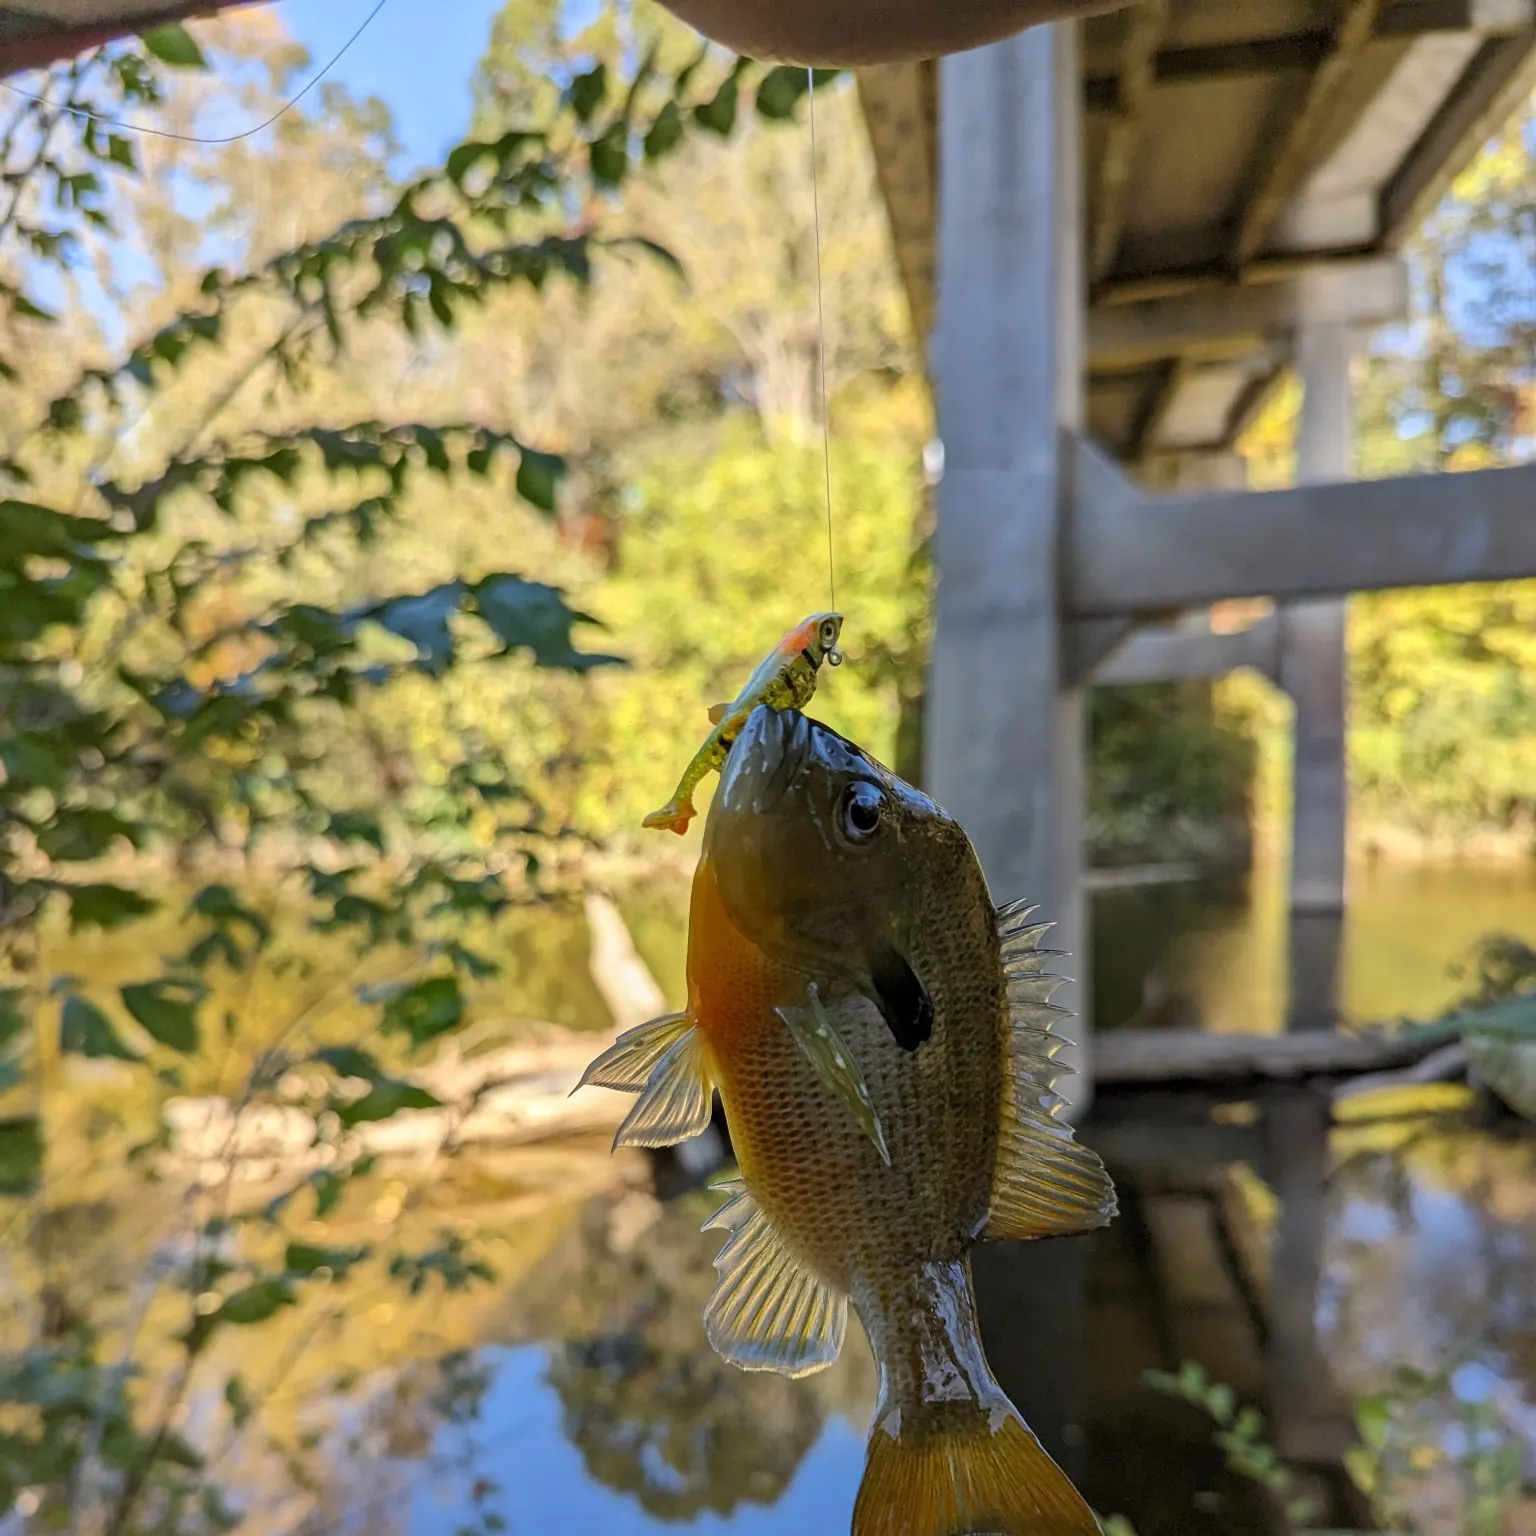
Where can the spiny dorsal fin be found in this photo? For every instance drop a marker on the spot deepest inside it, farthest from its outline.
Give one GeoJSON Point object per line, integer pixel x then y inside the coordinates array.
{"type": "Point", "coordinates": [718, 712]}
{"type": "Point", "coordinates": [768, 1312]}
{"type": "Point", "coordinates": [631, 1059]}
{"type": "Point", "coordinates": [1045, 1183]}
{"type": "Point", "coordinates": [676, 1100]}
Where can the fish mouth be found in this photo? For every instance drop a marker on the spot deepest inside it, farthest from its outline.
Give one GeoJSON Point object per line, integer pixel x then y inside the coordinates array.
{"type": "Point", "coordinates": [765, 760]}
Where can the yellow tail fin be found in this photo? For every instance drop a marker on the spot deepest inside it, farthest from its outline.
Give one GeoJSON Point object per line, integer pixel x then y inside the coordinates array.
{"type": "Point", "coordinates": [967, 1482]}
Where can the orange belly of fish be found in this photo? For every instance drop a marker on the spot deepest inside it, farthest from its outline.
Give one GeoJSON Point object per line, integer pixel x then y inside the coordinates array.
{"type": "Point", "coordinates": [798, 1150]}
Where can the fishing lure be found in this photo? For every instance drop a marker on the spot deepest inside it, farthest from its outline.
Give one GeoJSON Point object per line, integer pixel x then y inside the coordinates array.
{"type": "Point", "coordinates": [784, 679]}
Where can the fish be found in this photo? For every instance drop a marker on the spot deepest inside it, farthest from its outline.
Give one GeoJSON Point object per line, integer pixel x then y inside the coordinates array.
{"type": "Point", "coordinates": [833, 899]}
{"type": "Point", "coordinates": [785, 678]}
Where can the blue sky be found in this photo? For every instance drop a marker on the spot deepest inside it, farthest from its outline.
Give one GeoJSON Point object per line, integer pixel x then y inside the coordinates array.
{"type": "Point", "coordinates": [417, 55]}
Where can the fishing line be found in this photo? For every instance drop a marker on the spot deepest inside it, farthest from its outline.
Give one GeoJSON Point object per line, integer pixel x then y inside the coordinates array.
{"type": "Point", "coordinates": [821, 346]}
{"type": "Point", "coordinates": [192, 138]}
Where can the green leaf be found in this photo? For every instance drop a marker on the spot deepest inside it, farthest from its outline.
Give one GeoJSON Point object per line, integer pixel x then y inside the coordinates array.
{"type": "Point", "coordinates": [348, 1061]}
{"type": "Point", "coordinates": [538, 478]}
{"type": "Point", "coordinates": [384, 1100]}
{"type": "Point", "coordinates": [587, 91]}
{"type": "Point", "coordinates": [217, 1513]}
{"type": "Point", "coordinates": [104, 906]}
{"type": "Point", "coordinates": [532, 615]}
{"type": "Point", "coordinates": [13, 1021]}
{"type": "Point", "coordinates": [173, 45]}
{"type": "Point", "coordinates": [84, 1030]}
{"type": "Point", "coordinates": [21, 1154]}
{"type": "Point", "coordinates": [665, 133]}
{"type": "Point", "coordinates": [120, 152]}
{"type": "Point", "coordinates": [355, 827]}
{"type": "Point", "coordinates": [426, 1009]}
{"type": "Point", "coordinates": [1219, 1403]}
{"type": "Point", "coordinates": [167, 1009]}
{"type": "Point", "coordinates": [779, 92]}
{"type": "Point", "coordinates": [609, 156]}
{"type": "Point", "coordinates": [78, 833]}
{"type": "Point", "coordinates": [1373, 1418]}
{"type": "Point", "coordinates": [240, 1405]}
{"type": "Point", "coordinates": [719, 114]}
{"type": "Point", "coordinates": [306, 1258]}
{"type": "Point", "coordinates": [255, 1303]}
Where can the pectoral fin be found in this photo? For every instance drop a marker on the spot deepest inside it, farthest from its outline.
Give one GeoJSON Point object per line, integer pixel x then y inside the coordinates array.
{"type": "Point", "coordinates": [768, 1312]}
{"type": "Point", "coordinates": [903, 1000]}
{"type": "Point", "coordinates": [631, 1059]}
{"type": "Point", "coordinates": [1045, 1182]}
{"type": "Point", "coordinates": [824, 1048]}
{"type": "Point", "coordinates": [676, 1100]}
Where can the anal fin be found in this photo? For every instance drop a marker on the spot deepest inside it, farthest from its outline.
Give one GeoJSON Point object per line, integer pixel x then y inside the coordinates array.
{"type": "Point", "coordinates": [768, 1312]}
{"type": "Point", "coordinates": [677, 1098]}
{"type": "Point", "coordinates": [1045, 1183]}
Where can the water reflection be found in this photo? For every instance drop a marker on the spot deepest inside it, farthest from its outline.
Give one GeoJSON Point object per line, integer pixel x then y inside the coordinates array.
{"type": "Point", "coordinates": [1211, 953]}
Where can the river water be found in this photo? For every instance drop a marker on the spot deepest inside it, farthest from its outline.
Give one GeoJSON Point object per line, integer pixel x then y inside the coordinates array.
{"type": "Point", "coordinates": [577, 1394]}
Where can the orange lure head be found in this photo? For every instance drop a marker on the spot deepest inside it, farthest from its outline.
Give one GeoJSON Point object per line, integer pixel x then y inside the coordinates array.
{"type": "Point", "coordinates": [817, 637]}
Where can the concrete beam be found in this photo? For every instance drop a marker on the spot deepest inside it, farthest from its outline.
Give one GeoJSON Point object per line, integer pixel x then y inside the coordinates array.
{"type": "Point", "coordinates": [1143, 34]}
{"type": "Point", "coordinates": [1298, 51]}
{"type": "Point", "coordinates": [1499, 78]}
{"type": "Point", "coordinates": [1286, 162]}
{"type": "Point", "coordinates": [1236, 321]}
{"type": "Point", "coordinates": [1170, 654]}
{"type": "Point", "coordinates": [1004, 740]}
{"type": "Point", "coordinates": [1131, 555]}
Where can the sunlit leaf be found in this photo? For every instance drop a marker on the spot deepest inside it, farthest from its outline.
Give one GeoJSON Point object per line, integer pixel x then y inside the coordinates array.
{"type": "Point", "coordinates": [174, 45]}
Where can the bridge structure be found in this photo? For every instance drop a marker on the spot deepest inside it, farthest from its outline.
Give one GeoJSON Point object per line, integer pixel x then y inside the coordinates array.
{"type": "Point", "coordinates": [1115, 236]}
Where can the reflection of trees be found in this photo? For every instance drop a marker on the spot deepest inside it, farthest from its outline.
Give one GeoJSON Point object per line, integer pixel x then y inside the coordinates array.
{"type": "Point", "coordinates": [1430, 1252]}
{"type": "Point", "coordinates": [654, 1411]}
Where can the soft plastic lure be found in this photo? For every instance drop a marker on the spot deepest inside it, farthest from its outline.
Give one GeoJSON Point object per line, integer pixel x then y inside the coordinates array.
{"type": "Point", "coordinates": [785, 679]}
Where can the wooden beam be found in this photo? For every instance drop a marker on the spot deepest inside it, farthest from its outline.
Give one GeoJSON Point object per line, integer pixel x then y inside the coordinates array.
{"type": "Point", "coordinates": [1189, 1056]}
{"type": "Point", "coordinates": [1211, 326]}
{"type": "Point", "coordinates": [1287, 161]}
{"type": "Point", "coordinates": [1130, 554]}
{"type": "Point", "coordinates": [1501, 75]}
{"type": "Point", "coordinates": [1166, 655]}
{"type": "Point", "coordinates": [1133, 86]}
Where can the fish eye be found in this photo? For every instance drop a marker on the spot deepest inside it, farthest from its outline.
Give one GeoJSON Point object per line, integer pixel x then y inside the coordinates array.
{"type": "Point", "coordinates": [861, 810]}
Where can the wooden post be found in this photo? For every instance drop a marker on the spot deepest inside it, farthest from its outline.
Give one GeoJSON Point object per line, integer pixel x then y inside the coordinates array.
{"type": "Point", "coordinates": [1313, 672]}
{"type": "Point", "coordinates": [1004, 737]}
